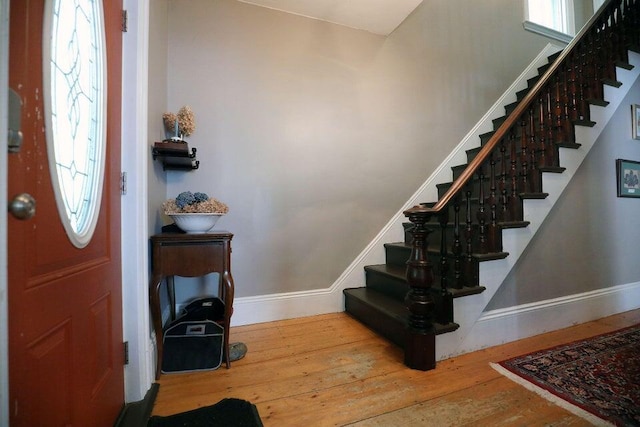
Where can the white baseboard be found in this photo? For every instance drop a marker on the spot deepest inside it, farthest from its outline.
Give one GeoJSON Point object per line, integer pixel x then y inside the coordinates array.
{"type": "Point", "coordinates": [505, 325]}
{"type": "Point", "coordinates": [494, 327]}
{"type": "Point", "coordinates": [268, 308]}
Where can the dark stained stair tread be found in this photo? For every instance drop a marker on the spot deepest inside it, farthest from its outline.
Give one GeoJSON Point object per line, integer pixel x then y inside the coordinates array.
{"type": "Point", "coordinates": [386, 316]}
{"type": "Point", "coordinates": [480, 257]}
{"type": "Point", "coordinates": [397, 274]}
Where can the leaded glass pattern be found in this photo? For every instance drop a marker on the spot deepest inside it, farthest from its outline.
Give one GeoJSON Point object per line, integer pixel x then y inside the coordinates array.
{"type": "Point", "coordinates": [75, 87]}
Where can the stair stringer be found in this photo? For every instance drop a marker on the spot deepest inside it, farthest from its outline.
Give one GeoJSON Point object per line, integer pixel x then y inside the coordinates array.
{"type": "Point", "coordinates": [468, 310]}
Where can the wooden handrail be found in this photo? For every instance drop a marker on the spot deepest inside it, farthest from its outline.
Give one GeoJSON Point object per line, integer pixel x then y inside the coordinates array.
{"type": "Point", "coordinates": [500, 133]}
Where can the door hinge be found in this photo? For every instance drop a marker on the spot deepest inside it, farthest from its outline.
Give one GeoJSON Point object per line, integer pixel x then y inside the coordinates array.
{"type": "Point", "coordinates": [126, 352]}
{"type": "Point", "coordinates": [15, 113]}
{"type": "Point", "coordinates": [123, 183]}
{"type": "Point", "coordinates": [125, 22]}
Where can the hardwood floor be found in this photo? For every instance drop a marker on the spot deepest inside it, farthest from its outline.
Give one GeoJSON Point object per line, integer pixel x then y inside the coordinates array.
{"type": "Point", "coordinates": [330, 370]}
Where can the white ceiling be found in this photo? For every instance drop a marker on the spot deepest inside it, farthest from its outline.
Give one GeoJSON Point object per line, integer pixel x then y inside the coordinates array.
{"type": "Point", "coordinates": [376, 16]}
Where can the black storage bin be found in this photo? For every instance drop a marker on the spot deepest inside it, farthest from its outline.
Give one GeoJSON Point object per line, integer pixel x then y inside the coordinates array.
{"type": "Point", "coordinates": [192, 346]}
{"type": "Point", "coordinates": [210, 308]}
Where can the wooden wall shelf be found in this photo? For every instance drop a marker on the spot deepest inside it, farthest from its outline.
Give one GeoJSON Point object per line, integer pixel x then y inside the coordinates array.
{"type": "Point", "coordinates": [175, 155]}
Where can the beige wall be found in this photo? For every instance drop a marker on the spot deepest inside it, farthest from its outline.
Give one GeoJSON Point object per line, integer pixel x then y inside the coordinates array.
{"type": "Point", "coordinates": [583, 10]}
{"type": "Point", "coordinates": [157, 94]}
{"type": "Point", "coordinates": [316, 134]}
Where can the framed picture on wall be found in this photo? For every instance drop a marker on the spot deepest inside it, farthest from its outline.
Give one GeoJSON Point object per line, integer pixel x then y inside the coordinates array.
{"type": "Point", "coordinates": [635, 120]}
{"type": "Point", "coordinates": [628, 178]}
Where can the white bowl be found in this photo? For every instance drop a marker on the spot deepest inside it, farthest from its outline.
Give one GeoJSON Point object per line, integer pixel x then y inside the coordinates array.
{"type": "Point", "coordinates": [196, 223]}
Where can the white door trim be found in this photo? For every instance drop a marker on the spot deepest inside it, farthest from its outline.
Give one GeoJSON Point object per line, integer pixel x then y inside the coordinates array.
{"type": "Point", "coordinates": [139, 373]}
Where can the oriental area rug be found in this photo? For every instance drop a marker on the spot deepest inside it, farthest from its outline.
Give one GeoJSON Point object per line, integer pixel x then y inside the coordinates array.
{"type": "Point", "coordinates": [597, 379]}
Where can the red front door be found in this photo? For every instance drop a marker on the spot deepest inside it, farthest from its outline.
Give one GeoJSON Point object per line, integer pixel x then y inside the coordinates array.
{"type": "Point", "coordinates": [65, 308]}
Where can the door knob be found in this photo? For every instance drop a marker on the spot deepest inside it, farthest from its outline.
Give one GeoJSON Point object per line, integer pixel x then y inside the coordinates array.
{"type": "Point", "coordinates": [23, 206]}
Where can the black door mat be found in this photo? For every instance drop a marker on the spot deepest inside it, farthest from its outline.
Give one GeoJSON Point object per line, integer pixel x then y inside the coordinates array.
{"type": "Point", "coordinates": [226, 413]}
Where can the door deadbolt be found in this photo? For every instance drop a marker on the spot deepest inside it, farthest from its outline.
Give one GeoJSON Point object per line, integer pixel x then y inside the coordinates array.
{"type": "Point", "coordinates": [23, 206]}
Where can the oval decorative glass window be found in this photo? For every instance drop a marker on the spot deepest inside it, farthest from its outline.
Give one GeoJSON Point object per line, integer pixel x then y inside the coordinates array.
{"type": "Point", "coordinates": [74, 62]}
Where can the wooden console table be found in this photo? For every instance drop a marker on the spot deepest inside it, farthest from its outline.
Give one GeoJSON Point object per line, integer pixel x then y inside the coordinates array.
{"type": "Point", "coordinates": [190, 255]}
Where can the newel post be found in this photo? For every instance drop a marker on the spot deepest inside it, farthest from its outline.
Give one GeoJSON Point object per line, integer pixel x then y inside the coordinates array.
{"type": "Point", "coordinates": [420, 343]}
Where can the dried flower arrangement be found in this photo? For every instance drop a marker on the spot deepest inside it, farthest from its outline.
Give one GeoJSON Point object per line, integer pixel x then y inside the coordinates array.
{"type": "Point", "coordinates": [181, 124]}
{"type": "Point", "coordinates": [188, 202]}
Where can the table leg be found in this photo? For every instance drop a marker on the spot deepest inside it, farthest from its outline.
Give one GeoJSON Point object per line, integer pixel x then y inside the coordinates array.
{"type": "Point", "coordinates": [171, 290]}
{"type": "Point", "coordinates": [227, 282]}
{"type": "Point", "coordinates": [156, 317]}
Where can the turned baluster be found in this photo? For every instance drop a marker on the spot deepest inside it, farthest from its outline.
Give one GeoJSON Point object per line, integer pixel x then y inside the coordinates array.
{"type": "Point", "coordinates": [504, 197]}
{"type": "Point", "coordinates": [457, 246]}
{"type": "Point", "coordinates": [623, 20]}
{"type": "Point", "coordinates": [622, 30]}
{"type": "Point", "coordinates": [552, 147]}
{"type": "Point", "coordinates": [596, 76]}
{"type": "Point", "coordinates": [600, 52]}
{"type": "Point", "coordinates": [468, 235]}
{"type": "Point", "coordinates": [634, 12]}
{"type": "Point", "coordinates": [493, 234]}
{"type": "Point", "coordinates": [569, 131]}
{"type": "Point", "coordinates": [444, 261]}
{"type": "Point", "coordinates": [419, 351]}
{"type": "Point", "coordinates": [604, 37]}
{"type": "Point", "coordinates": [583, 103]}
{"type": "Point", "coordinates": [559, 136]}
{"type": "Point", "coordinates": [534, 172]}
{"type": "Point", "coordinates": [445, 299]}
{"type": "Point", "coordinates": [573, 89]}
{"type": "Point", "coordinates": [589, 71]}
{"type": "Point", "coordinates": [609, 52]}
{"type": "Point", "coordinates": [481, 214]}
{"type": "Point", "coordinates": [515, 204]}
{"type": "Point", "coordinates": [541, 132]}
{"type": "Point", "coordinates": [616, 37]}
{"type": "Point", "coordinates": [524, 156]}
{"type": "Point", "coordinates": [633, 22]}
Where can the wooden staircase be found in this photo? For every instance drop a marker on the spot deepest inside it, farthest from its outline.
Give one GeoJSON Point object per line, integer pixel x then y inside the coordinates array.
{"type": "Point", "coordinates": [410, 298]}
